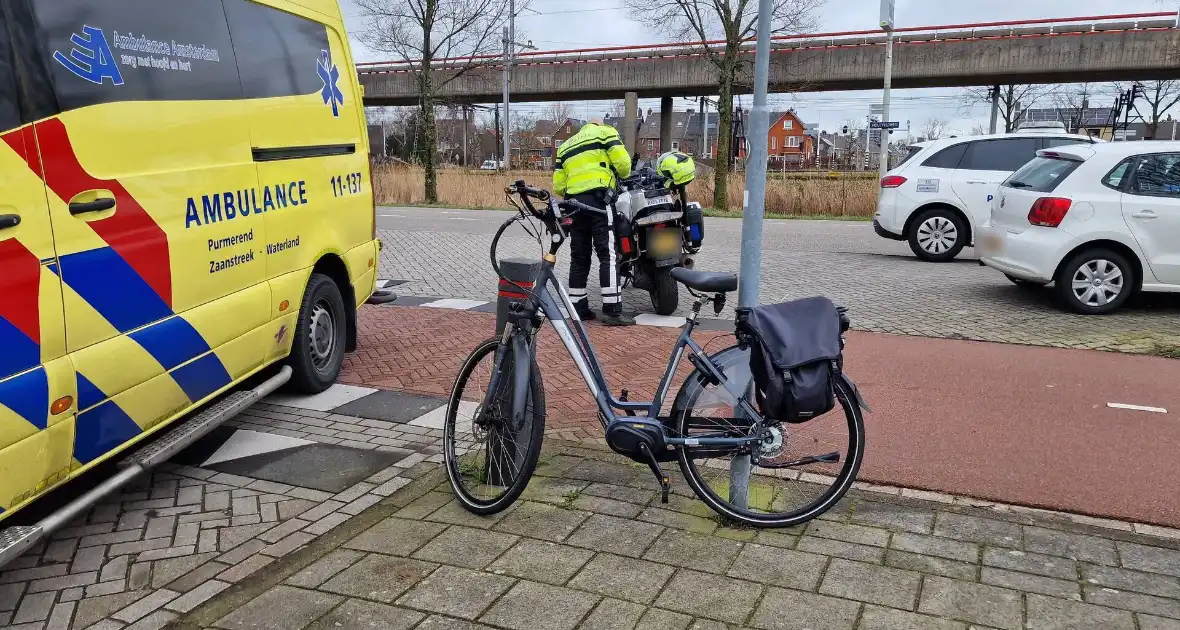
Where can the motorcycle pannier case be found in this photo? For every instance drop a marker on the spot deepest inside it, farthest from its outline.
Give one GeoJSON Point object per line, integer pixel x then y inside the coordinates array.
{"type": "Point", "coordinates": [795, 357]}
{"type": "Point", "coordinates": [694, 224]}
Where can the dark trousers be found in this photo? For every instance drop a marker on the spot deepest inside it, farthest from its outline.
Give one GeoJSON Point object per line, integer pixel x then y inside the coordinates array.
{"type": "Point", "coordinates": [594, 231]}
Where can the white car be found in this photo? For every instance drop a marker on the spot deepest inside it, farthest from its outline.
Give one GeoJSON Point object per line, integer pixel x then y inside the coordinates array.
{"type": "Point", "coordinates": [1100, 221]}
{"type": "Point", "coordinates": [942, 192]}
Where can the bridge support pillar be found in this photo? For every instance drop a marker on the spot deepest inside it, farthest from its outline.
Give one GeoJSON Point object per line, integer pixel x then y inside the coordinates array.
{"type": "Point", "coordinates": [665, 124]}
{"type": "Point", "coordinates": [630, 120]}
{"type": "Point", "coordinates": [995, 108]}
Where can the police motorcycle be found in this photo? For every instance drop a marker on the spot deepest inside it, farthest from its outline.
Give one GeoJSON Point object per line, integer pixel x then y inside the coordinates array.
{"type": "Point", "coordinates": [657, 228]}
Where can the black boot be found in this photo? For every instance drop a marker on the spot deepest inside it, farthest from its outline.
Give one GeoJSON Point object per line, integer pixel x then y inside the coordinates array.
{"type": "Point", "coordinates": [617, 319]}
{"type": "Point", "coordinates": [584, 313]}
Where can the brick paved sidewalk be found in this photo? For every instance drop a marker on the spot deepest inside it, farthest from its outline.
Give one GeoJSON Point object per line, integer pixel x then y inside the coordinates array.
{"type": "Point", "coordinates": [590, 546]}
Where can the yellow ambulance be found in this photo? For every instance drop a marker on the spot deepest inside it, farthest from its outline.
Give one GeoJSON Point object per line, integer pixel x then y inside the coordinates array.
{"type": "Point", "coordinates": [184, 201]}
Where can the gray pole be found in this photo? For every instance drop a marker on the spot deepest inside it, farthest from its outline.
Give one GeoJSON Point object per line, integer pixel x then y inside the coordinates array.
{"type": "Point", "coordinates": [995, 109]}
{"type": "Point", "coordinates": [704, 129]}
{"type": "Point", "coordinates": [753, 211]}
{"type": "Point", "coordinates": [507, 130]}
{"type": "Point", "coordinates": [884, 159]}
{"type": "Point", "coordinates": [630, 117]}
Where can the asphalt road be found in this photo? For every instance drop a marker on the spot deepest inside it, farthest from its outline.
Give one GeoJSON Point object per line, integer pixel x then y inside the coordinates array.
{"type": "Point", "coordinates": [444, 253]}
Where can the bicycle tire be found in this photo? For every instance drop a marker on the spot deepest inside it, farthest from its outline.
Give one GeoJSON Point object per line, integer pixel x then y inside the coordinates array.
{"type": "Point", "coordinates": [729, 359]}
{"type": "Point", "coordinates": [534, 421]}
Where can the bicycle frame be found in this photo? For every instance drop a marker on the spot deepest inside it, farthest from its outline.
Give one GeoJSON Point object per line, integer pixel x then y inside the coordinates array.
{"type": "Point", "coordinates": [550, 297]}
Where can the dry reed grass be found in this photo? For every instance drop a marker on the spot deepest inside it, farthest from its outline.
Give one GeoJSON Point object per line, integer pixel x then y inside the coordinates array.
{"type": "Point", "coordinates": [846, 195]}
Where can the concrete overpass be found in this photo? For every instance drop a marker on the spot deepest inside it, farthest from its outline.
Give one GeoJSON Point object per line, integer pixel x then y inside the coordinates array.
{"type": "Point", "coordinates": [1095, 48]}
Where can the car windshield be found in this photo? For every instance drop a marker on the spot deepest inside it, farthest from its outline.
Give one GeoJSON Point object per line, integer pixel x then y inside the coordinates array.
{"type": "Point", "coordinates": [1042, 174]}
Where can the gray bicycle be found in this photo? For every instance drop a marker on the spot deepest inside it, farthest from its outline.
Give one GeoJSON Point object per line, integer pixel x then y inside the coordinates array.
{"type": "Point", "coordinates": [750, 469]}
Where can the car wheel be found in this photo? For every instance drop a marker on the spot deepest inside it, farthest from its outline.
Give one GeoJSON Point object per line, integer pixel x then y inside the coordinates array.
{"type": "Point", "coordinates": [317, 352]}
{"type": "Point", "coordinates": [938, 235]}
{"type": "Point", "coordinates": [1095, 282]}
{"type": "Point", "coordinates": [1024, 284]}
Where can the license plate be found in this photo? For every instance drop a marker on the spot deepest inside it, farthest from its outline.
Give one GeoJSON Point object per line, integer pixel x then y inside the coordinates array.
{"type": "Point", "coordinates": [664, 243]}
{"type": "Point", "coordinates": [991, 243]}
{"type": "Point", "coordinates": [658, 201]}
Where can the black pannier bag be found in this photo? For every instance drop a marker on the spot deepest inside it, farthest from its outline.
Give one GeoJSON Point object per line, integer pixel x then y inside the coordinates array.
{"type": "Point", "coordinates": [795, 357]}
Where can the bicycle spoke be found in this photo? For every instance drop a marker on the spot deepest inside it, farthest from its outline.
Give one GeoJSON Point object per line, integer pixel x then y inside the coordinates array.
{"type": "Point", "coordinates": [796, 469]}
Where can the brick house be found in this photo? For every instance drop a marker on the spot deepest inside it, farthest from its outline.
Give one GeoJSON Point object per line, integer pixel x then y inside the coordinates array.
{"type": "Point", "coordinates": [566, 131]}
{"type": "Point", "coordinates": [788, 139]}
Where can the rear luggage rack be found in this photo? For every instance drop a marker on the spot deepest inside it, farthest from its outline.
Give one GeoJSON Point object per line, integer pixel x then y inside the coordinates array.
{"type": "Point", "coordinates": [14, 541]}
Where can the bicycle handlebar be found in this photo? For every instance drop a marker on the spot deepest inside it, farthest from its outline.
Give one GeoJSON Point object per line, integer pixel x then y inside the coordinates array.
{"type": "Point", "coordinates": [574, 204]}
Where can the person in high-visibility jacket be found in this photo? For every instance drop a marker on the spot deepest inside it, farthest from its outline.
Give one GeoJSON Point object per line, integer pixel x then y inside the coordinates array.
{"type": "Point", "coordinates": [587, 168]}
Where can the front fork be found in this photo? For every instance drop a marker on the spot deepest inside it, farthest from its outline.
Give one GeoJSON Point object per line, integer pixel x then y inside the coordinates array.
{"type": "Point", "coordinates": [514, 344]}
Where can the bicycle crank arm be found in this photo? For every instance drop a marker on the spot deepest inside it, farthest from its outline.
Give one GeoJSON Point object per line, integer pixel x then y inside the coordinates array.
{"type": "Point", "coordinates": [829, 458]}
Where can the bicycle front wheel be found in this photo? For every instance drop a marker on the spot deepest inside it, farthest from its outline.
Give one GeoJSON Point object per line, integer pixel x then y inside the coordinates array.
{"type": "Point", "coordinates": [797, 472]}
{"type": "Point", "coordinates": [489, 461]}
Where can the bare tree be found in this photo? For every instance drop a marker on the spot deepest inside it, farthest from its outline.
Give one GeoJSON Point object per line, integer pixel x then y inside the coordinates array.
{"type": "Point", "coordinates": [734, 21]}
{"type": "Point", "coordinates": [559, 112]}
{"type": "Point", "coordinates": [1158, 97]}
{"type": "Point", "coordinates": [979, 130]}
{"type": "Point", "coordinates": [935, 128]}
{"type": "Point", "coordinates": [1014, 100]}
{"type": "Point", "coordinates": [617, 109]}
{"type": "Point", "coordinates": [1074, 101]}
{"type": "Point", "coordinates": [420, 32]}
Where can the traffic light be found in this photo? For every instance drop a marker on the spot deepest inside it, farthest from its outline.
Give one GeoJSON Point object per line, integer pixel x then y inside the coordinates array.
{"type": "Point", "coordinates": [844, 130]}
{"type": "Point", "coordinates": [1137, 91]}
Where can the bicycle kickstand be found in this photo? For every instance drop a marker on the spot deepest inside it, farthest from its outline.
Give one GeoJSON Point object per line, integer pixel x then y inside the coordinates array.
{"type": "Point", "coordinates": [665, 482]}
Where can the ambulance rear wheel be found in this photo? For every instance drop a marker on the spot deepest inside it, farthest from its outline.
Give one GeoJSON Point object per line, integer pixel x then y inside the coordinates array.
{"type": "Point", "coordinates": [317, 352]}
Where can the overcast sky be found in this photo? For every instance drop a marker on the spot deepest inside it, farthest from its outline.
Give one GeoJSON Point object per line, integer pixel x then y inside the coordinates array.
{"type": "Point", "coordinates": [563, 24]}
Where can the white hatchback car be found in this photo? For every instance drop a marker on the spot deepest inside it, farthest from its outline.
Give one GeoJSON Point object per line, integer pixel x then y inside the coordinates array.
{"type": "Point", "coordinates": [1100, 221]}
{"type": "Point", "coordinates": [942, 192]}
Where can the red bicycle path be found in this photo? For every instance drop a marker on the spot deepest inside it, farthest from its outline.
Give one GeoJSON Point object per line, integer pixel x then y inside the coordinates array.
{"type": "Point", "coordinates": [1008, 423]}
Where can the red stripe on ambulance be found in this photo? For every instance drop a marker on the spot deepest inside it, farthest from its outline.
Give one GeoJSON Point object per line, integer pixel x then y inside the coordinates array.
{"type": "Point", "coordinates": [131, 231]}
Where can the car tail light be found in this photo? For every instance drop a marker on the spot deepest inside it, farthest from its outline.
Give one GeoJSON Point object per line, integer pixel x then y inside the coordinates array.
{"type": "Point", "coordinates": [1049, 211]}
{"type": "Point", "coordinates": [892, 181]}
{"type": "Point", "coordinates": [625, 245]}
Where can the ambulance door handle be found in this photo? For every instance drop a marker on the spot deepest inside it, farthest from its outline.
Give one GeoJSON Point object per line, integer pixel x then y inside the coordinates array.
{"type": "Point", "coordinates": [98, 205]}
{"type": "Point", "coordinates": [9, 221]}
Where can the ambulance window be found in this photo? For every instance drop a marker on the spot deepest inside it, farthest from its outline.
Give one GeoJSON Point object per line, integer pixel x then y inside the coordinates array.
{"type": "Point", "coordinates": [9, 111]}
{"type": "Point", "coordinates": [131, 50]}
{"type": "Point", "coordinates": [279, 54]}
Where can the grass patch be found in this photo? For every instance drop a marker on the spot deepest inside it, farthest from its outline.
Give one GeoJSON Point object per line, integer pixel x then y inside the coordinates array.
{"type": "Point", "coordinates": [567, 499]}
{"type": "Point", "coordinates": [850, 196]}
{"type": "Point", "coordinates": [1166, 350]}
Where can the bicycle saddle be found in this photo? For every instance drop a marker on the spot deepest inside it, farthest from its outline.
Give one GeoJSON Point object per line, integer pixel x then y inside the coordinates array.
{"type": "Point", "coordinates": [707, 281]}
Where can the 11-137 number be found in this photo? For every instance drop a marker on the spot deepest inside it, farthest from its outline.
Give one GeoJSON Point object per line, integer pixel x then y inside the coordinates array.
{"type": "Point", "coordinates": [350, 184]}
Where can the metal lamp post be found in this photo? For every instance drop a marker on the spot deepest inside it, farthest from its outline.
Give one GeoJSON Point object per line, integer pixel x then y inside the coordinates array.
{"type": "Point", "coordinates": [887, 7]}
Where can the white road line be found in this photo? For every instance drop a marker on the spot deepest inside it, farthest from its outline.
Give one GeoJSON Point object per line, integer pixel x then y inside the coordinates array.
{"type": "Point", "coordinates": [669, 321]}
{"type": "Point", "coordinates": [453, 303]}
{"type": "Point", "coordinates": [1114, 405]}
{"type": "Point", "coordinates": [245, 443]}
{"type": "Point", "coordinates": [400, 216]}
{"type": "Point", "coordinates": [462, 218]}
{"type": "Point", "coordinates": [326, 400]}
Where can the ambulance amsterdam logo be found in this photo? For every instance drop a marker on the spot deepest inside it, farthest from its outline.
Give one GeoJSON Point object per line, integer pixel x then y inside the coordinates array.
{"type": "Point", "coordinates": [330, 75]}
{"type": "Point", "coordinates": [91, 57]}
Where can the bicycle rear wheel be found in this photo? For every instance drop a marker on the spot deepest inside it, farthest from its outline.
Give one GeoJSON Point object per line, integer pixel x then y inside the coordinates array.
{"type": "Point", "coordinates": [777, 496]}
{"type": "Point", "coordinates": [489, 462]}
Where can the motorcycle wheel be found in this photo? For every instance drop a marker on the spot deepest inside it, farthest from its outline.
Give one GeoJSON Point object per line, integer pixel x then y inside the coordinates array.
{"type": "Point", "coordinates": [664, 292]}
